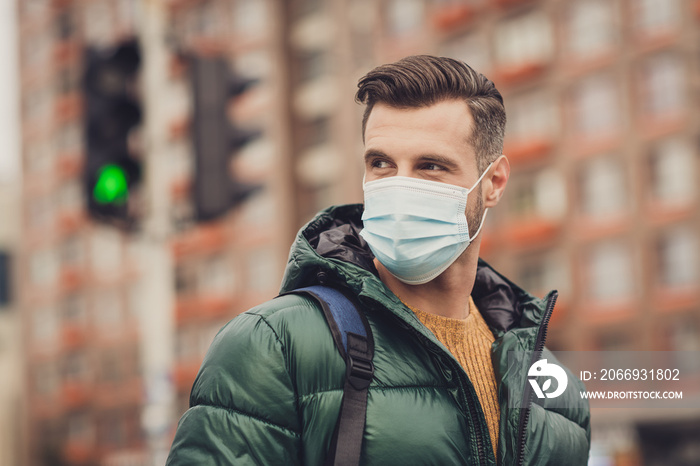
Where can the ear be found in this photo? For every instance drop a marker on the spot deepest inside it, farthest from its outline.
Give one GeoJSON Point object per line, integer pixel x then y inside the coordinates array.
{"type": "Point", "coordinates": [495, 183]}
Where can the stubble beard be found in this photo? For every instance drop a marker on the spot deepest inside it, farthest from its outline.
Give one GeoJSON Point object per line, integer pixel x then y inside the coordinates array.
{"type": "Point", "coordinates": [475, 216]}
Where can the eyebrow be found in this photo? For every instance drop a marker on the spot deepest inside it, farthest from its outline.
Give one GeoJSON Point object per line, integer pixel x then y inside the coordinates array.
{"type": "Point", "coordinates": [429, 158]}
{"type": "Point", "coordinates": [374, 153]}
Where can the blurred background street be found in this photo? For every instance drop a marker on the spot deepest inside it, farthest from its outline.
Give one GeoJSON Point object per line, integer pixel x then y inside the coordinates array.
{"type": "Point", "coordinates": [157, 158]}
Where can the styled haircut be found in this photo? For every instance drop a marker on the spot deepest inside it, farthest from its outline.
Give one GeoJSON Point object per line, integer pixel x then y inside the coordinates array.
{"type": "Point", "coordinates": [423, 80]}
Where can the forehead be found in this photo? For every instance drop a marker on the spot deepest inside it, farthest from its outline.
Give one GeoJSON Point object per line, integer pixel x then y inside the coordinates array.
{"type": "Point", "coordinates": [447, 124]}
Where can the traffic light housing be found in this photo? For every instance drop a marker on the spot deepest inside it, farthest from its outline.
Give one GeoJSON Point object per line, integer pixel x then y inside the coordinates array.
{"type": "Point", "coordinates": [215, 139]}
{"type": "Point", "coordinates": [112, 110]}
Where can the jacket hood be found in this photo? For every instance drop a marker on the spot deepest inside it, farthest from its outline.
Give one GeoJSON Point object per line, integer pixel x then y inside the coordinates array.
{"type": "Point", "coordinates": [329, 250]}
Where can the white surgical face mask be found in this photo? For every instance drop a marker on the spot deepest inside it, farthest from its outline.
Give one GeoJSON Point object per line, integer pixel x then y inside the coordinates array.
{"type": "Point", "coordinates": [416, 228]}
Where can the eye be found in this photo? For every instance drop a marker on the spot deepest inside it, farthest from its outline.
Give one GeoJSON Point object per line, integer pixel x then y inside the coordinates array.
{"type": "Point", "coordinates": [379, 163]}
{"type": "Point", "coordinates": [433, 167]}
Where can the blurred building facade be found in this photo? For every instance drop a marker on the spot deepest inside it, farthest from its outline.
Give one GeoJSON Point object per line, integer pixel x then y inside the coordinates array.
{"type": "Point", "coordinates": [11, 410]}
{"type": "Point", "coordinates": [602, 102]}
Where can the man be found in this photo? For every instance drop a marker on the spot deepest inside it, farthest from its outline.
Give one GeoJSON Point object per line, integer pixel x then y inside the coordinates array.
{"type": "Point", "coordinates": [270, 388]}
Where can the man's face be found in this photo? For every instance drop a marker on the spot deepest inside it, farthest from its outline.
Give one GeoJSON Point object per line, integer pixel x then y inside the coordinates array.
{"type": "Point", "coordinates": [429, 143]}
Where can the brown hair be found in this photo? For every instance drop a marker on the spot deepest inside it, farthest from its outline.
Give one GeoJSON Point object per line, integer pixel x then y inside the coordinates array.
{"type": "Point", "coordinates": [423, 80]}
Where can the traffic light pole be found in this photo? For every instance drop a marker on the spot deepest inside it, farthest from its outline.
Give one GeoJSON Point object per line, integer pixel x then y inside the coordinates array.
{"type": "Point", "coordinates": [157, 317]}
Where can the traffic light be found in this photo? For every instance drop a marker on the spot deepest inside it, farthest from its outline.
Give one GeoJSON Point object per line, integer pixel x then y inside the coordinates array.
{"type": "Point", "coordinates": [215, 139]}
{"type": "Point", "coordinates": [112, 110]}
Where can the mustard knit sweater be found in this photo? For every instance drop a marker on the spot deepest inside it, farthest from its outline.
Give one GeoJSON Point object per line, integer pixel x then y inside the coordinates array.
{"type": "Point", "coordinates": [469, 340]}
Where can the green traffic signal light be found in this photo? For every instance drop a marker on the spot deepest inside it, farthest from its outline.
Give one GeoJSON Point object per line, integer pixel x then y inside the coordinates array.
{"type": "Point", "coordinates": [111, 186]}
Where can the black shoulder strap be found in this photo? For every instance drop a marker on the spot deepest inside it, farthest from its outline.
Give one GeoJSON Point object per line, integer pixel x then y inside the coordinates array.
{"type": "Point", "coordinates": [353, 338]}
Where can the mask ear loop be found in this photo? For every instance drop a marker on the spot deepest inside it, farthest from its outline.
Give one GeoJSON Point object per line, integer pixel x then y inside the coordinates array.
{"type": "Point", "coordinates": [483, 217]}
{"type": "Point", "coordinates": [480, 178]}
{"type": "Point", "coordinates": [486, 210]}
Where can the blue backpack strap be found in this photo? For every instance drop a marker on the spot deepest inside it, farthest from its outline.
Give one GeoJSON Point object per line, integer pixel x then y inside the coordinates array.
{"type": "Point", "coordinates": [354, 341]}
{"type": "Point", "coordinates": [342, 315]}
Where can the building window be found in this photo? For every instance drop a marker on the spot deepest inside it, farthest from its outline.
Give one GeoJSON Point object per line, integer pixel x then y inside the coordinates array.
{"type": "Point", "coordinates": [603, 185]}
{"type": "Point", "coordinates": [71, 252]}
{"type": "Point", "coordinates": [108, 308]}
{"type": "Point", "coordinates": [311, 65]}
{"type": "Point", "coordinates": [126, 12]}
{"type": "Point", "coordinates": [185, 279]}
{"type": "Point", "coordinates": [447, 3]}
{"type": "Point", "coordinates": [522, 193]}
{"type": "Point", "coordinates": [112, 430]}
{"type": "Point", "coordinates": [65, 24]}
{"type": "Point", "coordinates": [38, 157]}
{"type": "Point", "coordinates": [596, 106]}
{"type": "Point", "coordinates": [215, 276]}
{"type": "Point", "coordinates": [40, 212]}
{"type": "Point", "coordinates": [44, 324]}
{"type": "Point", "coordinates": [249, 16]}
{"type": "Point", "coordinates": [542, 273]}
{"type": "Point", "coordinates": [593, 26]}
{"type": "Point", "coordinates": [110, 367]}
{"type": "Point", "coordinates": [317, 131]}
{"type": "Point", "coordinates": [98, 21]}
{"type": "Point", "coordinates": [132, 362]}
{"type": "Point", "coordinates": [36, 49]}
{"type": "Point", "coordinates": [206, 336]}
{"type": "Point", "coordinates": [684, 336]}
{"type": "Point", "coordinates": [205, 20]}
{"type": "Point", "coordinates": [257, 156]}
{"type": "Point", "coordinates": [135, 300]}
{"type": "Point", "coordinates": [43, 267]}
{"type": "Point", "coordinates": [318, 168]}
{"type": "Point", "coordinates": [616, 340]}
{"type": "Point", "coordinates": [472, 49]}
{"type": "Point", "coordinates": [260, 209]}
{"type": "Point", "coordinates": [75, 367]}
{"type": "Point", "coordinates": [678, 255]}
{"type": "Point", "coordinates": [70, 138]}
{"type": "Point", "coordinates": [67, 81]}
{"type": "Point", "coordinates": [662, 85]}
{"type": "Point", "coordinates": [106, 253]}
{"type": "Point", "coordinates": [610, 272]}
{"type": "Point", "coordinates": [673, 164]}
{"type": "Point", "coordinates": [79, 429]}
{"type": "Point", "coordinates": [262, 270]}
{"type": "Point", "coordinates": [404, 16]}
{"type": "Point", "coordinates": [362, 18]}
{"type": "Point", "coordinates": [34, 7]}
{"type": "Point", "coordinates": [186, 344]}
{"type": "Point", "coordinates": [540, 194]}
{"type": "Point", "coordinates": [73, 309]}
{"type": "Point", "coordinates": [181, 162]}
{"type": "Point", "coordinates": [303, 8]}
{"type": "Point", "coordinates": [70, 196]}
{"type": "Point", "coordinates": [38, 105]}
{"type": "Point", "coordinates": [256, 64]}
{"type": "Point", "coordinates": [46, 379]}
{"type": "Point", "coordinates": [654, 16]}
{"type": "Point", "coordinates": [532, 116]}
{"type": "Point", "coordinates": [523, 40]}
{"type": "Point", "coordinates": [192, 343]}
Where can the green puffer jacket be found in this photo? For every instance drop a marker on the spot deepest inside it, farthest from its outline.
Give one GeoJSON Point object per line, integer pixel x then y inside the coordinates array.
{"type": "Point", "coordinates": [270, 387]}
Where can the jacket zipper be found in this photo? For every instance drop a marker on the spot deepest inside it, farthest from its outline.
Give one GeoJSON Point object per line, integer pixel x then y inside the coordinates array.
{"type": "Point", "coordinates": [470, 401]}
{"type": "Point", "coordinates": [527, 393]}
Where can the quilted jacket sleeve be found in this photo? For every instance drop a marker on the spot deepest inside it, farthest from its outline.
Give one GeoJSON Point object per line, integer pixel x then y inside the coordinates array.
{"type": "Point", "coordinates": [243, 408]}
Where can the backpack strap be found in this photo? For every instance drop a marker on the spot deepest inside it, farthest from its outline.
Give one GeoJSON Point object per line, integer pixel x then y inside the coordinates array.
{"type": "Point", "coordinates": [354, 341]}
